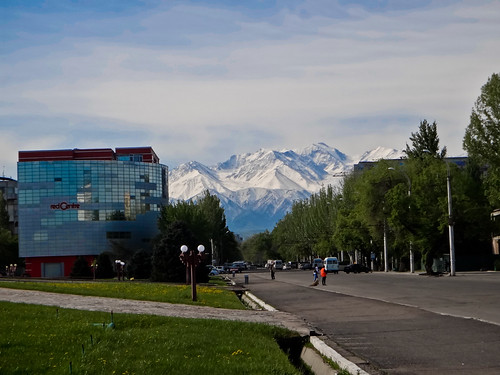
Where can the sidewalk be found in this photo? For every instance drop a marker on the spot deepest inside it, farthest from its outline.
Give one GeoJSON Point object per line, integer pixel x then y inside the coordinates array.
{"type": "Point", "coordinates": [117, 305]}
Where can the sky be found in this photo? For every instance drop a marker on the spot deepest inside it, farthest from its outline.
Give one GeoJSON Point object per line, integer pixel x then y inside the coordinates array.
{"type": "Point", "coordinates": [203, 80]}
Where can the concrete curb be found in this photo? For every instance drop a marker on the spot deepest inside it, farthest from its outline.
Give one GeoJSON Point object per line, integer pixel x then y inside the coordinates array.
{"type": "Point", "coordinates": [315, 341]}
{"type": "Point", "coordinates": [258, 302]}
{"type": "Point", "coordinates": [327, 351]}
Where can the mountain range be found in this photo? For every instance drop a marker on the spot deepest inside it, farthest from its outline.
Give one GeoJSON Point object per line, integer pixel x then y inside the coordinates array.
{"type": "Point", "coordinates": [257, 189]}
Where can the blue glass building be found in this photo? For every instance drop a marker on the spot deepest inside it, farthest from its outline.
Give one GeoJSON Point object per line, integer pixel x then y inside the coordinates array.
{"type": "Point", "coordinates": [80, 202]}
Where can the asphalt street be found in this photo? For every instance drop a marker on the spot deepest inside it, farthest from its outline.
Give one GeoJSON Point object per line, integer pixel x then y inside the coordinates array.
{"type": "Point", "coordinates": [396, 323]}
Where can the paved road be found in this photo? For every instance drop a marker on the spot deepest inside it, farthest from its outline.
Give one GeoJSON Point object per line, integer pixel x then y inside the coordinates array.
{"type": "Point", "coordinates": [397, 323]}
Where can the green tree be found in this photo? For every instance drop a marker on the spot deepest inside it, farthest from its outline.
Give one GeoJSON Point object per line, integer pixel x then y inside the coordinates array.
{"type": "Point", "coordinates": [471, 216]}
{"type": "Point", "coordinates": [4, 214]}
{"type": "Point", "coordinates": [423, 217]}
{"type": "Point", "coordinates": [425, 142]}
{"type": "Point", "coordinates": [259, 248]}
{"type": "Point", "coordinates": [292, 234]}
{"type": "Point", "coordinates": [352, 231]}
{"type": "Point", "coordinates": [427, 221]}
{"type": "Point", "coordinates": [207, 221]}
{"type": "Point", "coordinates": [81, 268]}
{"type": "Point", "coordinates": [308, 229]}
{"type": "Point", "coordinates": [427, 216]}
{"type": "Point", "coordinates": [216, 231]}
{"type": "Point", "coordinates": [140, 265]}
{"type": "Point", "coordinates": [166, 265]}
{"type": "Point", "coordinates": [482, 136]}
{"type": "Point", "coordinates": [9, 249]}
{"type": "Point", "coordinates": [104, 268]}
{"type": "Point", "coordinates": [185, 211]}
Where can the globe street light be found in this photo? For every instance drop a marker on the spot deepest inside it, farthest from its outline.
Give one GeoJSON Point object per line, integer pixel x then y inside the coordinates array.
{"type": "Point", "coordinates": [120, 267]}
{"type": "Point", "coordinates": [191, 260]}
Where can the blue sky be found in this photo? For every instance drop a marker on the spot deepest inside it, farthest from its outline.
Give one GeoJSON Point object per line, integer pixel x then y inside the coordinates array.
{"type": "Point", "coordinates": [203, 80]}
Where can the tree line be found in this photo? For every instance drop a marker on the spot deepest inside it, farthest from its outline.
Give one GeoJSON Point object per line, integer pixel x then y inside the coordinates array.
{"type": "Point", "coordinates": [402, 205]}
{"type": "Point", "coordinates": [396, 205]}
{"type": "Point", "coordinates": [190, 223]}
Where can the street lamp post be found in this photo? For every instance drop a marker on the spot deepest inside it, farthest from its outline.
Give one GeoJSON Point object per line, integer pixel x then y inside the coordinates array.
{"type": "Point", "coordinates": [450, 223]}
{"type": "Point", "coordinates": [11, 270]}
{"type": "Point", "coordinates": [120, 266]}
{"type": "Point", "coordinates": [386, 260]}
{"type": "Point", "coordinates": [94, 267]}
{"type": "Point", "coordinates": [191, 260]}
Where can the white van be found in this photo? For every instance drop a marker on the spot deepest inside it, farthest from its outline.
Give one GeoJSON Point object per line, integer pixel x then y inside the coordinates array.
{"type": "Point", "coordinates": [331, 264]}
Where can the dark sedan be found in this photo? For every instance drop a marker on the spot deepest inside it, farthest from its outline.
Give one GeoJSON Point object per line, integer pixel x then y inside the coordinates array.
{"type": "Point", "coordinates": [356, 268]}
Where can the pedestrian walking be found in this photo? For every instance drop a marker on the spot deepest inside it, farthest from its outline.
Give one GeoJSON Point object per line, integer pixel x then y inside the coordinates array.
{"type": "Point", "coordinates": [323, 276]}
{"type": "Point", "coordinates": [315, 276]}
{"type": "Point", "coordinates": [271, 268]}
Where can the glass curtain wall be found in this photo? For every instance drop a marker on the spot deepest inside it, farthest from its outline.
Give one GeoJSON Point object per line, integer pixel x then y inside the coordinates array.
{"type": "Point", "coordinates": [75, 207]}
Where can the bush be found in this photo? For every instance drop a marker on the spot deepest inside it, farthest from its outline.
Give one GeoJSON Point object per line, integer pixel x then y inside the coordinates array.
{"type": "Point", "coordinates": [104, 267]}
{"type": "Point", "coordinates": [140, 265]}
{"type": "Point", "coordinates": [81, 269]}
{"type": "Point", "coordinates": [166, 263]}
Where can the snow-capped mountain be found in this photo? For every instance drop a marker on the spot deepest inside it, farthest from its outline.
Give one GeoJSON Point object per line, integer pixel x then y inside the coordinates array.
{"type": "Point", "coordinates": [257, 189]}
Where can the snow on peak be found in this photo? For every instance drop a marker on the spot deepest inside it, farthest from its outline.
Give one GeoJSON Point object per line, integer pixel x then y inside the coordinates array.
{"type": "Point", "coordinates": [257, 189]}
{"type": "Point", "coordinates": [381, 153]}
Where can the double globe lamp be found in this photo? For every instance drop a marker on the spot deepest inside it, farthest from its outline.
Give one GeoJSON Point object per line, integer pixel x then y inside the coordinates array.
{"type": "Point", "coordinates": [191, 259]}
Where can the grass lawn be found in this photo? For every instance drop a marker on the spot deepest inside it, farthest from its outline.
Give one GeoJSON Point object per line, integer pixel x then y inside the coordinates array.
{"type": "Point", "coordinates": [47, 340]}
{"type": "Point", "coordinates": [213, 294]}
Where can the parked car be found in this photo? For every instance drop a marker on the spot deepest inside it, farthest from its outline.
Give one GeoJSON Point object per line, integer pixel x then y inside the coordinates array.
{"type": "Point", "coordinates": [213, 272]}
{"type": "Point", "coordinates": [233, 267]}
{"type": "Point", "coordinates": [220, 269]}
{"type": "Point", "coordinates": [356, 268]}
{"type": "Point", "coordinates": [241, 265]}
{"type": "Point", "coordinates": [305, 266]}
{"type": "Point", "coordinates": [343, 265]}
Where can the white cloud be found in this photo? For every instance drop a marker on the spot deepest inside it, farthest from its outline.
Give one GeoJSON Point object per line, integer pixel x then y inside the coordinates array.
{"type": "Point", "coordinates": [234, 83]}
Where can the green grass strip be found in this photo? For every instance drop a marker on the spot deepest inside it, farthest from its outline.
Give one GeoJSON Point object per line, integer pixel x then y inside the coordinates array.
{"type": "Point", "coordinates": [47, 340]}
{"type": "Point", "coordinates": [207, 294]}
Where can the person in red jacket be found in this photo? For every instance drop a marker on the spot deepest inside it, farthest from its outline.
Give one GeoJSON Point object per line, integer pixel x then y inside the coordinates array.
{"type": "Point", "coordinates": [323, 276]}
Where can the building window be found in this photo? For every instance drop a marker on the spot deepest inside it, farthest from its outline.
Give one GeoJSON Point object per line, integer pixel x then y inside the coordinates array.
{"type": "Point", "coordinates": [132, 157]}
{"type": "Point", "coordinates": [118, 235]}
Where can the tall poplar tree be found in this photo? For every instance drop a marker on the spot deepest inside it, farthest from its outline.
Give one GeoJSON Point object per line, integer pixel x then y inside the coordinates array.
{"type": "Point", "coordinates": [425, 142]}
{"type": "Point", "coordinates": [482, 136]}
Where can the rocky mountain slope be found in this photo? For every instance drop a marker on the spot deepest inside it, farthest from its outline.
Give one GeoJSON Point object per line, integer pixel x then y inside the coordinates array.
{"type": "Point", "coordinates": [257, 189]}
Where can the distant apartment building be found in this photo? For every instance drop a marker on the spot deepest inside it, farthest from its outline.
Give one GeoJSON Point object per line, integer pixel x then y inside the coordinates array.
{"type": "Point", "coordinates": [363, 165]}
{"type": "Point", "coordinates": [79, 202]}
{"type": "Point", "coordinates": [8, 187]}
